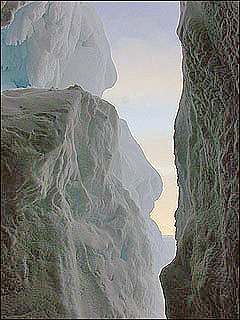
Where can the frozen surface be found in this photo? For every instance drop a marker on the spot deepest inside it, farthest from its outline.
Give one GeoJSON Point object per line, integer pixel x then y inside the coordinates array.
{"type": "Point", "coordinates": [57, 44]}
{"type": "Point", "coordinates": [139, 177]}
{"type": "Point", "coordinates": [88, 250]}
{"type": "Point", "coordinates": [203, 279]}
{"type": "Point", "coordinates": [8, 9]}
{"type": "Point", "coordinates": [144, 184]}
{"type": "Point", "coordinates": [170, 251]}
{"type": "Point", "coordinates": [74, 178]}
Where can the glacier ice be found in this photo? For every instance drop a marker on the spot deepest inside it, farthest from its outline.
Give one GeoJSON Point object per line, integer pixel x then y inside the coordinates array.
{"type": "Point", "coordinates": [8, 9]}
{"type": "Point", "coordinates": [144, 184]}
{"type": "Point", "coordinates": [138, 176]}
{"type": "Point", "coordinates": [81, 186]}
{"type": "Point", "coordinates": [57, 44]}
{"type": "Point", "coordinates": [88, 250]}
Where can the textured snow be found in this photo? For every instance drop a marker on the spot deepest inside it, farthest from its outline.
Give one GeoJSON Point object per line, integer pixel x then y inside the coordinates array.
{"type": "Point", "coordinates": [138, 176]}
{"type": "Point", "coordinates": [144, 185]}
{"type": "Point", "coordinates": [8, 9]}
{"type": "Point", "coordinates": [94, 187]}
{"type": "Point", "coordinates": [104, 250]}
{"type": "Point", "coordinates": [57, 44]}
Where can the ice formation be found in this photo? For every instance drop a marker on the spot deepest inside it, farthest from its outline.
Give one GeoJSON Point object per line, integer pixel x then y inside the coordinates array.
{"type": "Point", "coordinates": [83, 247]}
{"type": "Point", "coordinates": [8, 9]}
{"type": "Point", "coordinates": [203, 279]}
{"type": "Point", "coordinates": [57, 44]}
{"type": "Point", "coordinates": [77, 188]}
{"type": "Point", "coordinates": [144, 184]}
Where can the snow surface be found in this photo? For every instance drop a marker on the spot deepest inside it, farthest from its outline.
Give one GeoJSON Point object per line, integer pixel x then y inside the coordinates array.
{"type": "Point", "coordinates": [105, 249]}
{"type": "Point", "coordinates": [57, 44]}
{"type": "Point", "coordinates": [144, 184]}
{"type": "Point", "coordinates": [139, 177]}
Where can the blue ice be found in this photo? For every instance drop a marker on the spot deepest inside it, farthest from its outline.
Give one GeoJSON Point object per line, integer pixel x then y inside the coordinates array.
{"type": "Point", "coordinates": [13, 64]}
{"type": "Point", "coordinates": [123, 254]}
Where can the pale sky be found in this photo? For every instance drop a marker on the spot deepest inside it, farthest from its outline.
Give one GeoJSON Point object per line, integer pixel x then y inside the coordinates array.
{"type": "Point", "coordinates": [147, 54]}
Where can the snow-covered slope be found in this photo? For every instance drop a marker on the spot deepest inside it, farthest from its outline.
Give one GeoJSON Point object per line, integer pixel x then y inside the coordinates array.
{"type": "Point", "coordinates": [82, 246]}
{"type": "Point", "coordinates": [57, 44]}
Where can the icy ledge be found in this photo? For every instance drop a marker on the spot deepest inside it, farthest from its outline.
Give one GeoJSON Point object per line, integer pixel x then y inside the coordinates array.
{"type": "Point", "coordinates": [75, 243]}
{"type": "Point", "coordinates": [57, 44]}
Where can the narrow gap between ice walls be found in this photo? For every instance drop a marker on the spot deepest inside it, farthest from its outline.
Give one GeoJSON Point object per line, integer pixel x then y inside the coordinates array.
{"type": "Point", "coordinates": [77, 213]}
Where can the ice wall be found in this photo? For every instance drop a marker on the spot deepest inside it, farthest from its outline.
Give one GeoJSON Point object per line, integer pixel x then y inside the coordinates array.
{"type": "Point", "coordinates": [144, 184]}
{"type": "Point", "coordinates": [57, 44]}
{"type": "Point", "coordinates": [75, 244]}
{"type": "Point", "coordinates": [203, 279]}
{"type": "Point", "coordinates": [77, 189]}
